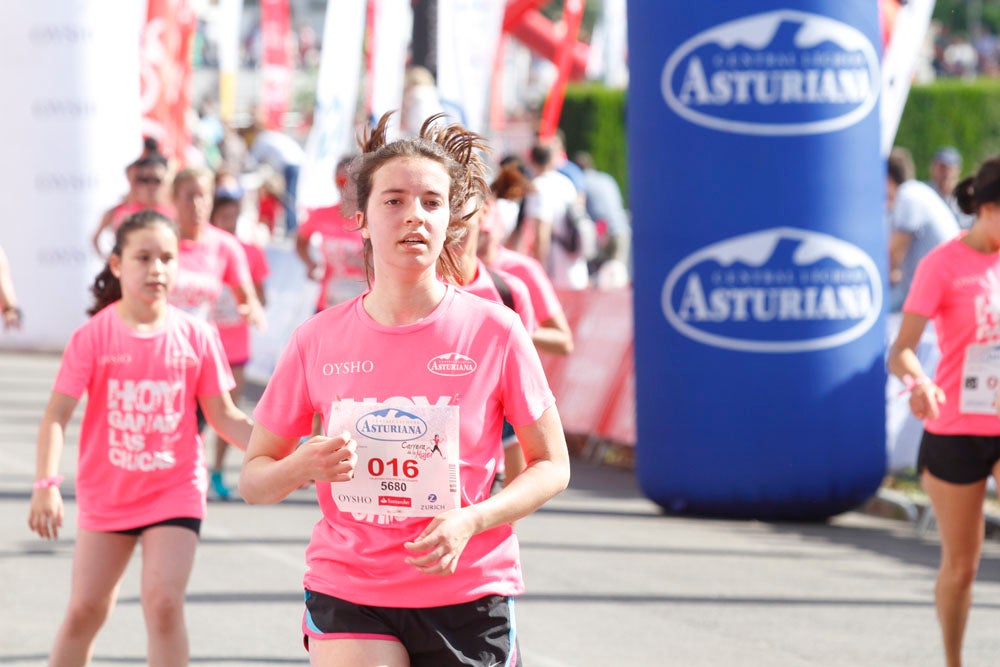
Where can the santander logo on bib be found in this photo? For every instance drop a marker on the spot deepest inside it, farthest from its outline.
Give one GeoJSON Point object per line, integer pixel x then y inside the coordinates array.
{"type": "Point", "coordinates": [451, 364]}
{"type": "Point", "coordinates": [784, 72]}
{"type": "Point", "coordinates": [776, 290]}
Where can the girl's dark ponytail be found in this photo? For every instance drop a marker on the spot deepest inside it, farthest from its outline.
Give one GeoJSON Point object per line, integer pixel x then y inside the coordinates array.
{"type": "Point", "coordinates": [965, 195]}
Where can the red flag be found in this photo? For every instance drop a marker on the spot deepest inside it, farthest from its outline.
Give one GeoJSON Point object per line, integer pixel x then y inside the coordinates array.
{"type": "Point", "coordinates": [276, 66]}
{"type": "Point", "coordinates": [166, 75]}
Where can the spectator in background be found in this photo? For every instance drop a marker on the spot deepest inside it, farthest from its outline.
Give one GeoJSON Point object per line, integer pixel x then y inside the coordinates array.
{"type": "Point", "coordinates": [606, 209]}
{"type": "Point", "coordinates": [546, 213]}
{"type": "Point", "coordinates": [420, 100]}
{"type": "Point", "coordinates": [562, 163]}
{"type": "Point", "coordinates": [946, 167]}
{"type": "Point", "coordinates": [8, 299]}
{"type": "Point", "coordinates": [919, 221]}
{"type": "Point", "coordinates": [283, 154]}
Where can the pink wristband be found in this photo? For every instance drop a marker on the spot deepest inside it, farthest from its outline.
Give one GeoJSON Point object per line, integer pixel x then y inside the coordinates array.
{"type": "Point", "coordinates": [55, 480]}
{"type": "Point", "coordinates": [912, 383]}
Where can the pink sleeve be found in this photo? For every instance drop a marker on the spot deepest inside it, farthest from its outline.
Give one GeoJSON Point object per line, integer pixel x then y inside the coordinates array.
{"type": "Point", "coordinates": [77, 364]}
{"type": "Point", "coordinates": [926, 289]}
{"type": "Point", "coordinates": [237, 271]}
{"type": "Point", "coordinates": [543, 294]}
{"type": "Point", "coordinates": [216, 376]}
{"type": "Point", "coordinates": [285, 407]}
{"type": "Point", "coordinates": [525, 391]}
{"type": "Point", "coordinates": [259, 269]}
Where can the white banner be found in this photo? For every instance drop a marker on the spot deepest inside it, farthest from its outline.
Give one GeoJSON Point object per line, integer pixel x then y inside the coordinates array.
{"type": "Point", "coordinates": [468, 33]}
{"type": "Point", "coordinates": [72, 124]}
{"type": "Point", "coordinates": [229, 20]}
{"type": "Point", "coordinates": [392, 26]}
{"type": "Point", "coordinates": [608, 54]}
{"type": "Point", "coordinates": [899, 63]}
{"type": "Point", "coordinates": [333, 131]}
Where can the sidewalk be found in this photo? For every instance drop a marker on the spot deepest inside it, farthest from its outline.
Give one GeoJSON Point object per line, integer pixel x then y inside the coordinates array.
{"type": "Point", "coordinates": [611, 580]}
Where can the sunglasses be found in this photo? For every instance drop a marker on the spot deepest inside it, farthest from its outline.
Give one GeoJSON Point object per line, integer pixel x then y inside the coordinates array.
{"type": "Point", "coordinates": [149, 180]}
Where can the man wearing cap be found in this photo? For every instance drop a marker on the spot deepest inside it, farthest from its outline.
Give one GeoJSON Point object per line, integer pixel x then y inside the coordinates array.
{"type": "Point", "coordinates": [946, 168]}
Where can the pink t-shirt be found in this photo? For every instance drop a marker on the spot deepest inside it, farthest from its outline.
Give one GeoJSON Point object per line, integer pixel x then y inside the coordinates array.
{"type": "Point", "coordinates": [205, 267]}
{"type": "Point", "coordinates": [342, 250]}
{"type": "Point", "coordinates": [341, 354]}
{"type": "Point", "coordinates": [141, 459]}
{"type": "Point", "coordinates": [530, 271]}
{"type": "Point", "coordinates": [484, 286]}
{"type": "Point", "coordinates": [959, 288]}
{"type": "Point", "coordinates": [233, 329]}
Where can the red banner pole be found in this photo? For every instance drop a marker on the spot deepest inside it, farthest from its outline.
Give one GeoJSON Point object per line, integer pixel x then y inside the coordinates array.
{"type": "Point", "coordinates": [572, 17]}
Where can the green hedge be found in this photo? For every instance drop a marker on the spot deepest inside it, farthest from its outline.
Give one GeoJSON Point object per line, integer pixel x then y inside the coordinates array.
{"type": "Point", "coordinates": [959, 113]}
{"type": "Point", "coordinates": [593, 120]}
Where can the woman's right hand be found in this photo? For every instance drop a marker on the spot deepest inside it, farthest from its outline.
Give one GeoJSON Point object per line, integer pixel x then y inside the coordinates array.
{"type": "Point", "coordinates": [329, 459]}
{"type": "Point", "coordinates": [925, 399]}
{"type": "Point", "coordinates": [46, 514]}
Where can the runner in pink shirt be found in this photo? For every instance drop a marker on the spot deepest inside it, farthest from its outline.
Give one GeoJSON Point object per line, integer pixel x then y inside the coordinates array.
{"type": "Point", "coordinates": [233, 328]}
{"type": "Point", "coordinates": [146, 176]}
{"type": "Point", "coordinates": [210, 259]}
{"type": "Point", "coordinates": [491, 284]}
{"type": "Point", "coordinates": [413, 380]}
{"type": "Point", "coordinates": [958, 286]}
{"type": "Point", "coordinates": [553, 334]}
{"type": "Point", "coordinates": [144, 366]}
{"type": "Point", "coordinates": [340, 269]}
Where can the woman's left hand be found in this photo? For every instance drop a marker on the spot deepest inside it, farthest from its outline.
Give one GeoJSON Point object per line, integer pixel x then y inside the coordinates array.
{"type": "Point", "coordinates": [442, 542]}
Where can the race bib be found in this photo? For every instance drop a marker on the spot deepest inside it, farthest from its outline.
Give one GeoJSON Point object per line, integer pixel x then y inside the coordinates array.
{"type": "Point", "coordinates": [980, 380]}
{"type": "Point", "coordinates": [407, 459]}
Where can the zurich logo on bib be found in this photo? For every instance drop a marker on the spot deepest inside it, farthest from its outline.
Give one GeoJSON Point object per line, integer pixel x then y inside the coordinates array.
{"type": "Point", "coordinates": [815, 73]}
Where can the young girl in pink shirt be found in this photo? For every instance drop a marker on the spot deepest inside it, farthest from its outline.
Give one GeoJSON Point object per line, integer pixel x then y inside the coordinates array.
{"type": "Point", "coordinates": [958, 286]}
{"type": "Point", "coordinates": [412, 561]}
{"type": "Point", "coordinates": [144, 366]}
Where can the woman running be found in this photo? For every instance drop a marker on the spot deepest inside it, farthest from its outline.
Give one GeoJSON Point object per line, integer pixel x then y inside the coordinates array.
{"type": "Point", "coordinates": [411, 358]}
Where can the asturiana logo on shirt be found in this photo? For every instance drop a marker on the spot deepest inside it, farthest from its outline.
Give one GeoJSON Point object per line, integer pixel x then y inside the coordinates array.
{"type": "Point", "coordinates": [451, 364]}
{"type": "Point", "coordinates": [778, 73]}
{"type": "Point", "coordinates": [776, 290]}
{"type": "Point", "coordinates": [391, 424]}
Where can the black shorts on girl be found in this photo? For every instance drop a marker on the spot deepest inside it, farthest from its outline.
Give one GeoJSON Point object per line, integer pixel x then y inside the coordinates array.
{"type": "Point", "coordinates": [481, 632]}
{"type": "Point", "coordinates": [959, 459]}
{"type": "Point", "coordinates": [182, 522]}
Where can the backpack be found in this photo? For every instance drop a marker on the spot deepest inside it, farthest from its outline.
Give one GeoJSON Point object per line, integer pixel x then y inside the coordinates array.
{"type": "Point", "coordinates": [580, 234]}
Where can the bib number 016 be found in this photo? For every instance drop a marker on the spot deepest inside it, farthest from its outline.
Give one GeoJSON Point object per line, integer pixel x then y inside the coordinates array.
{"type": "Point", "coordinates": [392, 467]}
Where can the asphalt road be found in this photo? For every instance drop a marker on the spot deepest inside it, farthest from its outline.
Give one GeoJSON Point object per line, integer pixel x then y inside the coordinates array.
{"type": "Point", "coordinates": [611, 581]}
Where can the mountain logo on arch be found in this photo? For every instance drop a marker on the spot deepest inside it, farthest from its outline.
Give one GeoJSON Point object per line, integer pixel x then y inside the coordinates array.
{"type": "Point", "coordinates": [778, 290]}
{"type": "Point", "coordinates": [778, 73]}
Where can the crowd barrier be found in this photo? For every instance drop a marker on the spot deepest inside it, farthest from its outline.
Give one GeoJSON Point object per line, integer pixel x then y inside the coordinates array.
{"type": "Point", "coordinates": [595, 385]}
